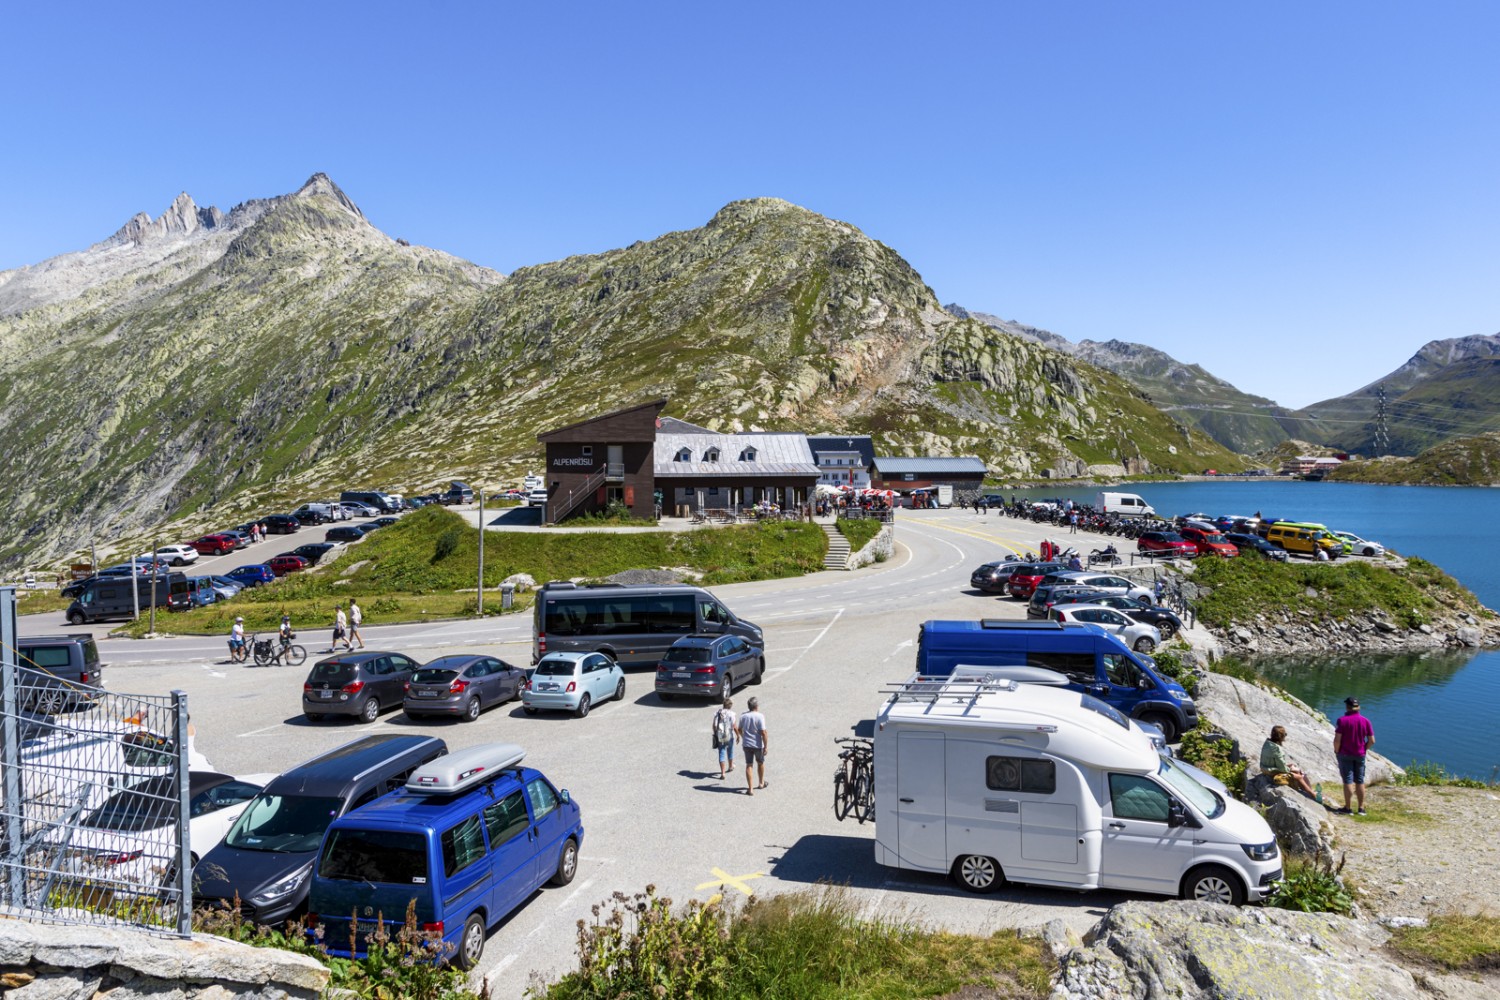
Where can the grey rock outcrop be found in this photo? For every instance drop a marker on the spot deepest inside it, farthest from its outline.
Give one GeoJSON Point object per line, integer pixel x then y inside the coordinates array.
{"type": "Point", "coordinates": [1300, 824]}
{"type": "Point", "coordinates": [1147, 951]}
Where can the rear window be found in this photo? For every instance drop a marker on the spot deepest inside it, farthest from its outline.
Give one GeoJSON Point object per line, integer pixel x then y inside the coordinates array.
{"type": "Point", "coordinates": [1171, 536]}
{"type": "Point", "coordinates": [47, 657]}
{"type": "Point", "coordinates": [375, 856]}
{"type": "Point", "coordinates": [555, 668]}
{"type": "Point", "coordinates": [332, 670]}
{"type": "Point", "coordinates": [426, 676]}
{"type": "Point", "coordinates": [689, 654]}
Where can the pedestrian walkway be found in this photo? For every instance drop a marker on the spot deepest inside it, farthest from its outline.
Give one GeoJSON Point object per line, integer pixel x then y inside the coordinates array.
{"type": "Point", "coordinates": [837, 556]}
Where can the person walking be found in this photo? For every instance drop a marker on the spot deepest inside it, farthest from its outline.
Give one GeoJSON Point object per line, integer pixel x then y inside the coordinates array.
{"type": "Point", "coordinates": [1073, 522]}
{"type": "Point", "coordinates": [1352, 738]}
{"type": "Point", "coordinates": [1274, 764]}
{"type": "Point", "coordinates": [356, 617]}
{"type": "Point", "coordinates": [725, 725]}
{"type": "Point", "coordinates": [752, 733]}
{"type": "Point", "coordinates": [340, 628]}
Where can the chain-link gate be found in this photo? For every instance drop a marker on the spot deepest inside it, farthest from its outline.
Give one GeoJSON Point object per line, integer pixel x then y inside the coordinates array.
{"type": "Point", "coordinates": [93, 799]}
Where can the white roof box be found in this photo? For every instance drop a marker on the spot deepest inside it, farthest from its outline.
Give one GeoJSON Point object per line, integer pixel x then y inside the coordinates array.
{"type": "Point", "coordinates": [464, 769]}
{"type": "Point", "coordinates": [1023, 674]}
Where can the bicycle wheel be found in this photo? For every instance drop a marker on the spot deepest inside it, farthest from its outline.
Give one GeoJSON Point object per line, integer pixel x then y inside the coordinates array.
{"type": "Point", "coordinates": [840, 795]}
{"type": "Point", "coordinates": [262, 657]}
{"type": "Point", "coordinates": [295, 656]}
{"type": "Point", "coordinates": [864, 800]}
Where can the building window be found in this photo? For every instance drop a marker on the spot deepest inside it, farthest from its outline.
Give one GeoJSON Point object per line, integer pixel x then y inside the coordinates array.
{"type": "Point", "coordinates": [587, 450]}
{"type": "Point", "coordinates": [683, 455]}
{"type": "Point", "coordinates": [748, 455]}
{"type": "Point", "coordinates": [711, 455]}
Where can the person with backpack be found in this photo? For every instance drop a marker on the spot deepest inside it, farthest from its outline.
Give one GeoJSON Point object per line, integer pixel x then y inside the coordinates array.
{"type": "Point", "coordinates": [724, 727]}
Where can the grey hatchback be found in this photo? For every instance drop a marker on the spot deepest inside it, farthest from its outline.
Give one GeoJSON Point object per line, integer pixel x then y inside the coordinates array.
{"type": "Point", "coordinates": [358, 684]}
{"type": "Point", "coordinates": [461, 685]}
{"type": "Point", "coordinates": [712, 665]}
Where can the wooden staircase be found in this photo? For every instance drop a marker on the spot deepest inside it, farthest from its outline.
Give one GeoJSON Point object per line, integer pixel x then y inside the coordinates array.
{"type": "Point", "coordinates": [838, 548]}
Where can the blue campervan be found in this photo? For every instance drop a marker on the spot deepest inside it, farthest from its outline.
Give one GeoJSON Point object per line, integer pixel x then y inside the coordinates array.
{"type": "Point", "coordinates": [468, 840]}
{"type": "Point", "coordinates": [1091, 660]}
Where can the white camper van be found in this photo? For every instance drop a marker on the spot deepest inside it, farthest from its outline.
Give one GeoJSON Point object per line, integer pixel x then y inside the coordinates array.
{"type": "Point", "coordinates": [1129, 504]}
{"type": "Point", "coordinates": [991, 780]}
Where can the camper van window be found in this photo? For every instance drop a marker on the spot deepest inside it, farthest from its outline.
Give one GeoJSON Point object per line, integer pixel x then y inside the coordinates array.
{"type": "Point", "coordinates": [1020, 774]}
{"type": "Point", "coordinates": [1105, 709]}
{"type": "Point", "coordinates": [1137, 797]}
{"type": "Point", "coordinates": [506, 818]}
{"type": "Point", "coordinates": [375, 856]}
{"type": "Point", "coordinates": [462, 845]}
{"type": "Point", "coordinates": [1122, 671]}
{"type": "Point", "coordinates": [543, 800]}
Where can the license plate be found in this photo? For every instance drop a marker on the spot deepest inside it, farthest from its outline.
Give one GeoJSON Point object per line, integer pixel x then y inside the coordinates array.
{"type": "Point", "coordinates": [681, 675]}
{"type": "Point", "coordinates": [546, 687]}
{"type": "Point", "coordinates": [425, 694]}
{"type": "Point", "coordinates": [325, 694]}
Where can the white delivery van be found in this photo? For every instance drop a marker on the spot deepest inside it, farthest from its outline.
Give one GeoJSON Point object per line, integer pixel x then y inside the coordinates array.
{"type": "Point", "coordinates": [990, 780]}
{"type": "Point", "coordinates": [944, 495]}
{"type": "Point", "coordinates": [1123, 503]}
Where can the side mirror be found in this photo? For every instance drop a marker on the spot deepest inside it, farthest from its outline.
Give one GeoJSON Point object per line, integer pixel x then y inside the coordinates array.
{"type": "Point", "coordinates": [566, 796]}
{"type": "Point", "coordinates": [1177, 816]}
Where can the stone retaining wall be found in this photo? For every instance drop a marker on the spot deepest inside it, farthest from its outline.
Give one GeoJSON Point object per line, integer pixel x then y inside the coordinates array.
{"type": "Point", "coordinates": [877, 549]}
{"type": "Point", "coordinates": [59, 962]}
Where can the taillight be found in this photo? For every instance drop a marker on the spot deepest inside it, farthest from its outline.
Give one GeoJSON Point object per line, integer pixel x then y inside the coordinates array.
{"type": "Point", "coordinates": [541, 642]}
{"type": "Point", "coordinates": [1062, 616]}
{"type": "Point", "coordinates": [703, 670]}
{"type": "Point", "coordinates": [310, 922]}
{"type": "Point", "coordinates": [117, 859]}
{"type": "Point", "coordinates": [433, 929]}
{"type": "Point", "coordinates": [353, 688]}
{"type": "Point", "coordinates": [406, 686]}
{"type": "Point", "coordinates": [306, 687]}
{"type": "Point", "coordinates": [572, 686]}
{"type": "Point", "coordinates": [458, 687]}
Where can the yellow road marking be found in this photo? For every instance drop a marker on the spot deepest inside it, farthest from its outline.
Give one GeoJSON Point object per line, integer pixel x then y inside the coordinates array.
{"type": "Point", "coordinates": [723, 878]}
{"type": "Point", "coordinates": [988, 538]}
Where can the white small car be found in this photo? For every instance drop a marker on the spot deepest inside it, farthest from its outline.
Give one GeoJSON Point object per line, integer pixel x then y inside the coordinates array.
{"type": "Point", "coordinates": [177, 555]}
{"type": "Point", "coordinates": [1359, 546]}
{"type": "Point", "coordinates": [1110, 583]}
{"type": "Point", "coordinates": [572, 682]}
{"type": "Point", "coordinates": [536, 497]}
{"type": "Point", "coordinates": [1138, 636]}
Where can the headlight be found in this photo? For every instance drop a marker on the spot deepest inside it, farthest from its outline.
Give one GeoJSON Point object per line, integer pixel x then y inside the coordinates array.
{"type": "Point", "coordinates": [284, 888]}
{"type": "Point", "coordinates": [1260, 852]}
{"type": "Point", "coordinates": [1177, 695]}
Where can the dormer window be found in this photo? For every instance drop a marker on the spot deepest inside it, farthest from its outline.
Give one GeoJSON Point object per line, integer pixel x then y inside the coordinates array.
{"type": "Point", "coordinates": [684, 455]}
{"type": "Point", "coordinates": [711, 455]}
{"type": "Point", "coordinates": [748, 455]}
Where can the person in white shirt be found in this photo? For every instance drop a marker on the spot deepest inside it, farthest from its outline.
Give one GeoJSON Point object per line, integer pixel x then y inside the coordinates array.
{"type": "Point", "coordinates": [752, 730]}
{"type": "Point", "coordinates": [340, 629]}
{"type": "Point", "coordinates": [355, 618]}
{"type": "Point", "coordinates": [237, 640]}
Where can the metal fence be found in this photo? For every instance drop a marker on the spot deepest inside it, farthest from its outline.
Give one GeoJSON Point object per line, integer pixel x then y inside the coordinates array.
{"type": "Point", "coordinates": [93, 799]}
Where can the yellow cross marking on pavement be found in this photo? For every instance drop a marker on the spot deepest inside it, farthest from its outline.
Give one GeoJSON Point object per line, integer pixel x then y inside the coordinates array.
{"type": "Point", "coordinates": [723, 878]}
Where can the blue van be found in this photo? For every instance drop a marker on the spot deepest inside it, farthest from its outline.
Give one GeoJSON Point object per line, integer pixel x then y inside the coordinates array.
{"type": "Point", "coordinates": [468, 840]}
{"type": "Point", "coordinates": [1092, 660]}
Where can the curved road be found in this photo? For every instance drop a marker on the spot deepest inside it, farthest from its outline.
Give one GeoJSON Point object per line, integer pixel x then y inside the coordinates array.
{"type": "Point", "coordinates": [643, 770]}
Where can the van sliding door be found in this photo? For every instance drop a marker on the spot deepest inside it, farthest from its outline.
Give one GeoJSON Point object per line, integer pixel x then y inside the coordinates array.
{"type": "Point", "coordinates": [921, 802]}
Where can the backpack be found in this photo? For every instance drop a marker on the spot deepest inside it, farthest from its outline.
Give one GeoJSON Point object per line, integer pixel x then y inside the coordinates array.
{"type": "Point", "coordinates": [723, 731]}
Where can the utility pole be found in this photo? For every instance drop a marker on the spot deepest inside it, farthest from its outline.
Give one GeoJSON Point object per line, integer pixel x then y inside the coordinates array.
{"type": "Point", "coordinates": [154, 577]}
{"type": "Point", "coordinates": [479, 601]}
{"type": "Point", "coordinates": [135, 590]}
{"type": "Point", "coordinates": [1382, 429]}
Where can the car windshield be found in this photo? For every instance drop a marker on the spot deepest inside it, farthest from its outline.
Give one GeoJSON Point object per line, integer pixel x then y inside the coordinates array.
{"type": "Point", "coordinates": [689, 654]}
{"type": "Point", "coordinates": [1184, 784]}
{"type": "Point", "coordinates": [290, 823]}
{"type": "Point", "coordinates": [555, 668]}
{"type": "Point", "coordinates": [1214, 539]}
{"type": "Point", "coordinates": [427, 675]}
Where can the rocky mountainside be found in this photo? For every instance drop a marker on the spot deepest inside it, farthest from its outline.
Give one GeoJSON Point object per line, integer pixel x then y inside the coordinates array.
{"type": "Point", "coordinates": [1448, 388]}
{"type": "Point", "coordinates": [1466, 461]}
{"type": "Point", "coordinates": [204, 364]}
{"type": "Point", "coordinates": [1237, 420]}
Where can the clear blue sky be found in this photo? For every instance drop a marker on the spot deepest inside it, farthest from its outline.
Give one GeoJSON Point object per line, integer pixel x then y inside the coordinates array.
{"type": "Point", "coordinates": [1217, 180]}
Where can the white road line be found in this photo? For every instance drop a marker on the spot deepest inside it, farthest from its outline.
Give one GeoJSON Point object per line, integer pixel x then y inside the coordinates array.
{"type": "Point", "coordinates": [831, 623]}
{"type": "Point", "coordinates": [574, 894]}
{"type": "Point", "coordinates": [255, 732]}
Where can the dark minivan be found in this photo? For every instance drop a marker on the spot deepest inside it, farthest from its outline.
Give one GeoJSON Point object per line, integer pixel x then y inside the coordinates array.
{"type": "Point", "coordinates": [122, 597]}
{"type": "Point", "coordinates": [265, 859]}
{"type": "Point", "coordinates": [358, 684]}
{"type": "Point", "coordinates": [66, 667]}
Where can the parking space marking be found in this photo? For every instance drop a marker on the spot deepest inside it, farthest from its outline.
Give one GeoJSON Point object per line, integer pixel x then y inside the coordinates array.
{"type": "Point", "coordinates": [831, 622]}
{"type": "Point", "coordinates": [723, 879]}
{"type": "Point", "coordinates": [257, 732]}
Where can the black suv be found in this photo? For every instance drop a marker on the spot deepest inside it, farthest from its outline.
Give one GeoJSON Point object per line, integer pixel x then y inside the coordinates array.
{"type": "Point", "coordinates": [64, 662]}
{"type": "Point", "coordinates": [313, 551]}
{"type": "Point", "coordinates": [991, 578]}
{"type": "Point", "coordinates": [281, 524]}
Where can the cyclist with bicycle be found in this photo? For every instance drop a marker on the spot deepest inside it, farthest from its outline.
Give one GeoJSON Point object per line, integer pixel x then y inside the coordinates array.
{"type": "Point", "coordinates": [238, 651]}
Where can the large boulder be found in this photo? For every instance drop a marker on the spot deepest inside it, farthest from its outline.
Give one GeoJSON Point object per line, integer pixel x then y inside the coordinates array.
{"type": "Point", "coordinates": [1300, 824]}
{"type": "Point", "coordinates": [1247, 712]}
{"type": "Point", "coordinates": [1147, 951]}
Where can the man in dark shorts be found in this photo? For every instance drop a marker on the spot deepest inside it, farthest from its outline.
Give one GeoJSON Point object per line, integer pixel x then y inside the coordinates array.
{"type": "Point", "coordinates": [752, 730]}
{"type": "Point", "coordinates": [1352, 738]}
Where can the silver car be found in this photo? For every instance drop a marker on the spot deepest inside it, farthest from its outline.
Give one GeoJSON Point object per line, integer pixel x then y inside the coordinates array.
{"type": "Point", "coordinates": [1110, 583]}
{"type": "Point", "coordinates": [1138, 636]}
{"type": "Point", "coordinates": [572, 682]}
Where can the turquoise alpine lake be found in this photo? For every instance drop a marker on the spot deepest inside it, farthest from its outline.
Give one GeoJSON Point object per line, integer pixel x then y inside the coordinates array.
{"type": "Point", "coordinates": [1436, 707]}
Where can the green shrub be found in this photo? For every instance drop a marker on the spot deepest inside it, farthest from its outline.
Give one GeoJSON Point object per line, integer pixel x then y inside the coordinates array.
{"type": "Point", "coordinates": [1312, 885]}
{"type": "Point", "coordinates": [1232, 666]}
{"type": "Point", "coordinates": [858, 530]}
{"type": "Point", "coordinates": [1170, 664]}
{"type": "Point", "coordinates": [446, 545]}
{"type": "Point", "coordinates": [1431, 773]}
{"type": "Point", "coordinates": [1213, 756]}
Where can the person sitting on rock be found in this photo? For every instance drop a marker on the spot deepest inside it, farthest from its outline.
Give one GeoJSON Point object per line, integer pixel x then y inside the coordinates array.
{"type": "Point", "coordinates": [1273, 764]}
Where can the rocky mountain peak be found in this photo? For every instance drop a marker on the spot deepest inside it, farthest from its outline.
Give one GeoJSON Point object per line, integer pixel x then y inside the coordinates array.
{"type": "Point", "coordinates": [181, 218]}
{"type": "Point", "coordinates": [320, 185]}
{"type": "Point", "coordinates": [748, 210]}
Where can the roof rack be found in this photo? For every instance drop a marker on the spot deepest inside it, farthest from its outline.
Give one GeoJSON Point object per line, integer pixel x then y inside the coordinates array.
{"type": "Point", "coordinates": [462, 770]}
{"type": "Point", "coordinates": [929, 688]}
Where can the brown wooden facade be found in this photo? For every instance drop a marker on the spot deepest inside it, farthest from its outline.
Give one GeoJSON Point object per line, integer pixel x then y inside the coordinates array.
{"type": "Point", "coordinates": [606, 458]}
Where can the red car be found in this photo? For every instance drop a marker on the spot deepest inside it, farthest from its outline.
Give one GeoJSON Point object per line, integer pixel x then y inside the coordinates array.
{"type": "Point", "coordinates": [1024, 578]}
{"type": "Point", "coordinates": [1167, 543]}
{"type": "Point", "coordinates": [1210, 543]}
{"type": "Point", "coordinates": [282, 565]}
{"type": "Point", "coordinates": [213, 545]}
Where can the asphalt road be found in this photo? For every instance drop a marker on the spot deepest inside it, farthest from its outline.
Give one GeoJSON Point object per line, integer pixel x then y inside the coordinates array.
{"type": "Point", "coordinates": [643, 770]}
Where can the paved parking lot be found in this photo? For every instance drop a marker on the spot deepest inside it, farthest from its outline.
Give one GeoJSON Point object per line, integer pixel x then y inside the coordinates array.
{"type": "Point", "coordinates": [643, 770]}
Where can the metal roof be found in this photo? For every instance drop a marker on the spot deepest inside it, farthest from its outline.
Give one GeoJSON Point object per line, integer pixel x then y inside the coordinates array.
{"type": "Point", "coordinates": [776, 454]}
{"type": "Point", "coordinates": [931, 465]}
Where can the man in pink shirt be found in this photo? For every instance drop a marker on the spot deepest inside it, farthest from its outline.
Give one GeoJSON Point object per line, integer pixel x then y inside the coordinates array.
{"type": "Point", "coordinates": [1352, 738]}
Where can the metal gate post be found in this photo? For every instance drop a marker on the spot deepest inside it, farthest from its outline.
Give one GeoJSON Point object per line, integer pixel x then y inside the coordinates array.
{"type": "Point", "coordinates": [10, 753]}
{"type": "Point", "coordinates": [184, 833]}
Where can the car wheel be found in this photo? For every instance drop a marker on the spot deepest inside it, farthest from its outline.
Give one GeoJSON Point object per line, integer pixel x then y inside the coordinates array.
{"type": "Point", "coordinates": [370, 710]}
{"type": "Point", "coordinates": [726, 684]}
{"type": "Point", "coordinates": [1164, 722]}
{"type": "Point", "coordinates": [471, 710]}
{"type": "Point", "coordinates": [471, 945]}
{"type": "Point", "coordinates": [760, 668]}
{"type": "Point", "coordinates": [620, 690]}
{"type": "Point", "coordinates": [977, 873]}
{"type": "Point", "coordinates": [75, 618]}
{"type": "Point", "coordinates": [1145, 644]}
{"type": "Point", "coordinates": [1213, 884]}
{"type": "Point", "coordinates": [1167, 630]}
{"type": "Point", "coordinates": [567, 863]}
{"type": "Point", "coordinates": [583, 706]}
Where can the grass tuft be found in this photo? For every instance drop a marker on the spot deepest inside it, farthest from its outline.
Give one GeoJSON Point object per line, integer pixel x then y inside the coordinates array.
{"type": "Point", "coordinates": [1458, 942]}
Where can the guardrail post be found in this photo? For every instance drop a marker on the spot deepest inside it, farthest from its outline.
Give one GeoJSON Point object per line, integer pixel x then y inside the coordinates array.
{"type": "Point", "coordinates": [184, 817]}
{"type": "Point", "coordinates": [10, 754]}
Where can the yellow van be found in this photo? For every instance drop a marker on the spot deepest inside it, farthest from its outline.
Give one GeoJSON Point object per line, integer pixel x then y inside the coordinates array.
{"type": "Point", "coordinates": [1310, 526]}
{"type": "Point", "coordinates": [1304, 538]}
